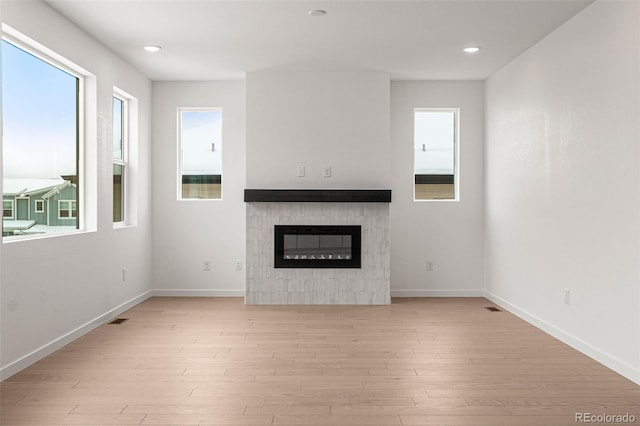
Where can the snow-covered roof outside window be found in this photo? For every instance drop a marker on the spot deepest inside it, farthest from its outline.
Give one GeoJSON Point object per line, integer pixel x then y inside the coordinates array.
{"type": "Point", "coordinates": [28, 186]}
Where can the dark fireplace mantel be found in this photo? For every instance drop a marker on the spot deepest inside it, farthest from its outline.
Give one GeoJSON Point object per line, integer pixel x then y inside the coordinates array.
{"type": "Point", "coordinates": [318, 195]}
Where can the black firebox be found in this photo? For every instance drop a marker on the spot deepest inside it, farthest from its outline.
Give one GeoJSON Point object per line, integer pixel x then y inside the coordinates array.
{"type": "Point", "coordinates": [317, 246]}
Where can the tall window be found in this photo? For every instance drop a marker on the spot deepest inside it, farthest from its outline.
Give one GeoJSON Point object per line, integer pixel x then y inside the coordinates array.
{"type": "Point", "coordinates": [435, 154]}
{"type": "Point", "coordinates": [40, 112]}
{"type": "Point", "coordinates": [120, 139]}
{"type": "Point", "coordinates": [200, 153]}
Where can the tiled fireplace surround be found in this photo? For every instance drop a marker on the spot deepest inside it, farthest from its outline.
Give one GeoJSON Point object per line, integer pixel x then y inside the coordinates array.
{"type": "Point", "coordinates": [366, 286]}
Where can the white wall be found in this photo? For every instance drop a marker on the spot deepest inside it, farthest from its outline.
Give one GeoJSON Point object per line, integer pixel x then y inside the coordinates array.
{"type": "Point", "coordinates": [448, 233]}
{"type": "Point", "coordinates": [54, 289]}
{"type": "Point", "coordinates": [188, 232]}
{"type": "Point", "coordinates": [318, 119]}
{"type": "Point", "coordinates": [562, 179]}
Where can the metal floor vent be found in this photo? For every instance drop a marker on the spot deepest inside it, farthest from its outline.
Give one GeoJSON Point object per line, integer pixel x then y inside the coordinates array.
{"type": "Point", "coordinates": [119, 320]}
{"type": "Point", "coordinates": [492, 309]}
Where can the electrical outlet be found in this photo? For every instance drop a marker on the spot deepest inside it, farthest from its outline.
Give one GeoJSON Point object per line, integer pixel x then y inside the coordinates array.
{"type": "Point", "coordinates": [326, 172]}
{"type": "Point", "coordinates": [429, 265]}
{"type": "Point", "coordinates": [238, 265]}
{"type": "Point", "coordinates": [206, 265]}
{"type": "Point", "coordinates": [567, 296]}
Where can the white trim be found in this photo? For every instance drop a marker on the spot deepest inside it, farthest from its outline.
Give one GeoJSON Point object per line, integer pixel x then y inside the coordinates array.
{"type": "Point", "coordinates": [171, 292]}
{"type": "Point", "coordinates": [437, 293]}
{"type": "Point", "coordinates": [630, 372]}
{"type": "Point", "coordinates": [35, 356]}
{"type": "Point", "coordinates": [42, 52]}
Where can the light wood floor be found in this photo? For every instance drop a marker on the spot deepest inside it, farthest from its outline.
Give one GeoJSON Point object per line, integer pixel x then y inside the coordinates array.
{"type": "Point", "coordinates": [189, 361]}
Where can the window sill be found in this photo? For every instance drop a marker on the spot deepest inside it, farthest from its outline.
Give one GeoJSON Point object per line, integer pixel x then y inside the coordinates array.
{"type": "Point", "coordinates": [34, 237]}
{"type": "Point", "coordinates": [123, 225]}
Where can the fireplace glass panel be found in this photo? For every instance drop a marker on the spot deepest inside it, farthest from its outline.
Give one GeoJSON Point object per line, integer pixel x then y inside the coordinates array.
{"type": "Point", "coordinates": [317, 247]}
{"type": "Point", "coordinates": [329, 247]}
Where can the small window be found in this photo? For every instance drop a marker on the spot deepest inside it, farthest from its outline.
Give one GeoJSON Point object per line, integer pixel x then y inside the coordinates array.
{"type": "Point", "coordinates": [67, 209]}
{"type": "Point", "coordinates": [39, 206]}
{"type": "Point", "coordinates": [435, 154]}
{"type": "Point", "coordinates": [200, 154]}
{"type": "Point", "coordinates": [7, 209]}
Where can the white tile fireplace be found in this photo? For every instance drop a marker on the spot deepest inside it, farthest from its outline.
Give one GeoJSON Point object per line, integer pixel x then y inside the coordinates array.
{"type": "Point", "coordinates": [367, 285]}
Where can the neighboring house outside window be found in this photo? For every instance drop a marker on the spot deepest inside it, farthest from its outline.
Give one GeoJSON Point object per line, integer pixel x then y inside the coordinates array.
{"type": "Point", "coordinates": [31, 214]}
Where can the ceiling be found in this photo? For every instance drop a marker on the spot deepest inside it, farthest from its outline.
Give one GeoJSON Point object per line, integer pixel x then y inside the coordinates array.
{"type": "Point", "coordinates": [224, 39]}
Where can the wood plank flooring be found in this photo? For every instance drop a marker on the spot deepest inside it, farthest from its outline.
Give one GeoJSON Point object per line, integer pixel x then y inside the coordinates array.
{"type": "Point", "coordinates": [198, 361]}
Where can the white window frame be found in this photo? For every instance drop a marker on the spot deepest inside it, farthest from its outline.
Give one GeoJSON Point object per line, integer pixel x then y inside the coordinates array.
{"type": "Point", "coordinates": [124, 161]}
{"type": "Point", "coordinates": [85, 93]}
{"type": "Point", "coordinates": [179, 154]}
{"type": "Point", "coordinates": [456, 155]}
{"type": "Point", "coordinates": [13, 209]}
{"type": "Point", "coordinates": [41, 209]}
{"type": "Point", "coordinates": [70, 209]}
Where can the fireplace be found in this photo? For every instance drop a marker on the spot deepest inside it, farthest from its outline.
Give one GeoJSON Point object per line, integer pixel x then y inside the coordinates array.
{"type": "Point", "coordinates": [317, 246]}
{"type": "Point", "coordinates": [318, 281]}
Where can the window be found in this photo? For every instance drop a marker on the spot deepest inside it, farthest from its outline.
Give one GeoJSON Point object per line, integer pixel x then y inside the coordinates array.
{"type": "Point", "coordinates": [124, 158]}
{"type": "Point", "coordinates": [67, 209]}
{"type": "Point", "coordinates": [7, 209]}
{"type": "Point", "coordinates": [435, 154]}
{"type": "Point", "coordinates": [41, 104]}
{"type": "Point", "coordinates": [200, 153]}
{"type": "Point", "coordinates": [120, 133]}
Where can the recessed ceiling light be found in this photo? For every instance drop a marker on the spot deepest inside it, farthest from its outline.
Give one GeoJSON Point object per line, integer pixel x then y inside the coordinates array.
{"type": "Point", "coordinates": [152, 48]}
{"type": "Point", "coordinates": [471, 49]}
{"type": "Point", "coordinates": [317, 12]}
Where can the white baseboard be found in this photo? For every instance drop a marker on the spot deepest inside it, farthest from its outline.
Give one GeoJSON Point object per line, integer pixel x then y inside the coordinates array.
{"type": "Point", "coordinates": [438, 293]}
{"type": "Point", "coordinates": [22, 363]}
{"type": "Point", "coordinates": [602, 357]}
{"type": "Point", "coordinates": [197, 293]}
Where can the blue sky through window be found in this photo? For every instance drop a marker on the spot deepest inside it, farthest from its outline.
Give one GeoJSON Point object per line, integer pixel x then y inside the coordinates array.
{"type": "Point", "coordinates": [434, 142]}
{"type": "Point", "coordinates": [199, 130]}
{"type": "Point", "coordinates": [39, 112]}
{"type": "Point", "coordinates": [117, 129]}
